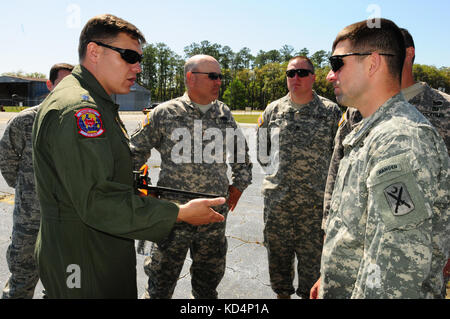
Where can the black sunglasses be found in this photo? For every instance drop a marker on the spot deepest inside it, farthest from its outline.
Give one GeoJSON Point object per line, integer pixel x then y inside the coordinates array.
{"type": "Point", "coordinates": [212, 75]}
{"type": "Point", "coordinates": [130, 56]}
{"type": "Point", "coordinates": [300, 72]}
{"type": "Point", "coordinates": [336, 61]}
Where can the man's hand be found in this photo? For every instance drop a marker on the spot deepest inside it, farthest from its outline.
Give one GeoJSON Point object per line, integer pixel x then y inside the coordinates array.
{"type": "Point", "coordinates": [233, 197]}
{"type": "Point", "coordinates": [199, 211]}
{"type": "Point", "coordinates": [314, 292]}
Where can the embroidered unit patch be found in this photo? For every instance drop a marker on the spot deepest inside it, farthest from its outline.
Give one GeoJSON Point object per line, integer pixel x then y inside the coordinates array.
{"type": "Point", "coordinates": [146, 120]}
{"type": "Point", "coordinates": [89, 123]}
{"type": "Point", "coordinates": [399, 199]}
{"type": "Point", "coordinates": [260, 121]}
{"type": "Point", "coordinates": [389, 168]}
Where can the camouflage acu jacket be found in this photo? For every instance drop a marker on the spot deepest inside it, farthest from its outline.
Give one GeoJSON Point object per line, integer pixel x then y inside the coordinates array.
{"type": "Point", "coordinates": [194, 147]}
{"type": "Point", "coordinates": [295, 143]}
{"type": "Point", "coordinates": [16, 158]}
{"type": "Point", "coordinates": [386, 231]}
{"type": "Point", "coordinates": [433, 104]}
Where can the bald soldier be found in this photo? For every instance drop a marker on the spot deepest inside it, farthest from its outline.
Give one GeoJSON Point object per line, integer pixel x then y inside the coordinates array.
{"type": "Point", "coordinates": [304, 124]}
{"type": "Point", "coordinates": [194, 134]}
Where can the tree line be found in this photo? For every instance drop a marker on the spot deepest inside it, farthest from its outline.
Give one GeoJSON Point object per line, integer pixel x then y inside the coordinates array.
{"type": "Point", "coordinates": [22, 74]}
{"type": "Point", "coordinates": [249, 81]}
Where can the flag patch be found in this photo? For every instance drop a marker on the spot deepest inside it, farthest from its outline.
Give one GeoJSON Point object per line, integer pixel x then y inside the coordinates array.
{"type": "Point", "coordinates": [260, 120]}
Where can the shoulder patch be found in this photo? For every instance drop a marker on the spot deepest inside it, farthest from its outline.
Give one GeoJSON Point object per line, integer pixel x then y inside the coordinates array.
{"type": "Point", "coordinates": [260, 120]}
{"type": "Point", "coordinates": [89, 123]}
{"type": "Point", "coordinates": [389, 168]}
{"type": "Point", "coordinates": [146, 120]}
{"type": "Point", "coordinates": [399, 199]}
{"type": "Point", "coordinates": [342, 119]}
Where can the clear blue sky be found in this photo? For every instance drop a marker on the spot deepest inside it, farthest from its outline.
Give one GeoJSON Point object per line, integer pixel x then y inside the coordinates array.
{"type": "Point", "coordinates": [36, 34]}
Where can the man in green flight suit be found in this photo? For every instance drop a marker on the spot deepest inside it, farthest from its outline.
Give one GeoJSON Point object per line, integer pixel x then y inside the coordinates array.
{"type": "Point", "coordinates": [83, 167]}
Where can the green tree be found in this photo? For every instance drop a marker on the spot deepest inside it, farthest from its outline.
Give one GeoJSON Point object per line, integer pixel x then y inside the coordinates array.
{"type": "Point", "coordinates": [322, 86]}
{"type": "Point", "coordinates": [303, 52]}
{"type": "Point", "coordinates": [148, 76]}
{"type": "Point", "coordinates": [235, 96]}
{"type": "Point", "coordinates": [260, 59]}
{"type": "Point", "coordinates": [436, 78]}
{"type": "Point", "coordinates": [286, 52]}
{"type": "Point", "coordinates": [162, 72]}
{"type": "Point", "coordinates": [243, 59]}
{"type": "Point", "coordinates": [21, 74]}
{"type": "Point", "coordinates": [205, 47]}
{"type": "Point", "coordinates": [226, 57]}
{"type": "Point", "coordinates": [248, 80]}
{"type": "Point", "coordinates": [319, 58]}
{"type": "Point", "coordinates": [264, 58]}
{"type": "Point", "coordinates": [273, 86]}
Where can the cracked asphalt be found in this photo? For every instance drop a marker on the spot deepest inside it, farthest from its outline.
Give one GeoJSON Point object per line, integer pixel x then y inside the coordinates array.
{"type": "Point", "coordinates": [246, 273]}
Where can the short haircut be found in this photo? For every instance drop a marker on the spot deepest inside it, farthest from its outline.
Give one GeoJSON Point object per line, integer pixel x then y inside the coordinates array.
{"type": "Point", "coordinates": [56, 68]}
{"type": "Point", "coordinates": [300, 57]}
{"type": "Point", "coordinates": [106, 27]}
{"type": "Point", "coordinates": [385, 38]}
{"type": "Point", "coordinates": [409, 42]}
{"type": "Point", "coordinates": [190, 65]}
{"type": "Point", "coordinates": [193, 62]}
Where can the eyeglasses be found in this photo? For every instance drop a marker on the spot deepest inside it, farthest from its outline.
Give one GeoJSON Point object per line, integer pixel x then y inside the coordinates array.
{"type": "Point", "coordinates": [336, 61]}
{"type": "Point", "coordinates": [130, 56]}
{"type": "Point", "coordinates": [300, 72]}
{"type": "Point", "coordinates": [211, 75]}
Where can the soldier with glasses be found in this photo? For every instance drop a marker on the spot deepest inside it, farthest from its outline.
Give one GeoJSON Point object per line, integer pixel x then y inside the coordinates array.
{"type": "Point", "coordinates": [305, 124]}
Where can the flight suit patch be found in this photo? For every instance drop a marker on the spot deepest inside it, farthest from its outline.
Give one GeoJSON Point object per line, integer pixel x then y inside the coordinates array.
{"type": "Point", "coordinates": [89, 123]}
{"type": "Point", "coordinates": [399, 200]}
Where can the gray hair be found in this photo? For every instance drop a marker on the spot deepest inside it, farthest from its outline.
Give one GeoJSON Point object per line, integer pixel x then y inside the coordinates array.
{"type": "Point", "coordinates": [190, 65]}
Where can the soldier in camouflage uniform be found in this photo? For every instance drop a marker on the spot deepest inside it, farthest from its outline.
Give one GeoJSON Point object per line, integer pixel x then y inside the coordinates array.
{"type": "Point", "coordinates": [433, 104]}
{"type": "Point", "coordinates": [182, 130]}
{"type": "Point", "coordinates": [388, 216]}
{"type": "Point", "coordinates": [350, 119]}
{"type": "Point", "coordinates": [305, 125]}
{"type": "Point", "coordinates": [17, 170]}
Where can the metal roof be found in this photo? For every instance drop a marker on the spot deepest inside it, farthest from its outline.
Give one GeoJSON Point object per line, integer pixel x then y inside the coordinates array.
{"type": "Point", "coordinates": [16, 79]}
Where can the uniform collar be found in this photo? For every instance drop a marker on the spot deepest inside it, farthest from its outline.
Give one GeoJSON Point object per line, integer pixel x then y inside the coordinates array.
{"type": "Point", "coordinates": [299, 106]}
{"type": "Point", "coordinates": [413, 90]}
{"type": "Point", "coordinates": [187, 100]}
{"type": "Point", "coordinates": [311, 107]}
{"type": "Point", "coordinates": [93, 86]}
{"type": "Point", "coordinates": [364, 127]}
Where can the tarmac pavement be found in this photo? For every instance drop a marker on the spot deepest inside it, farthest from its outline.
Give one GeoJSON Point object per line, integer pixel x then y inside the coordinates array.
{"type": "Point", "coordinates": [246, 275]}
